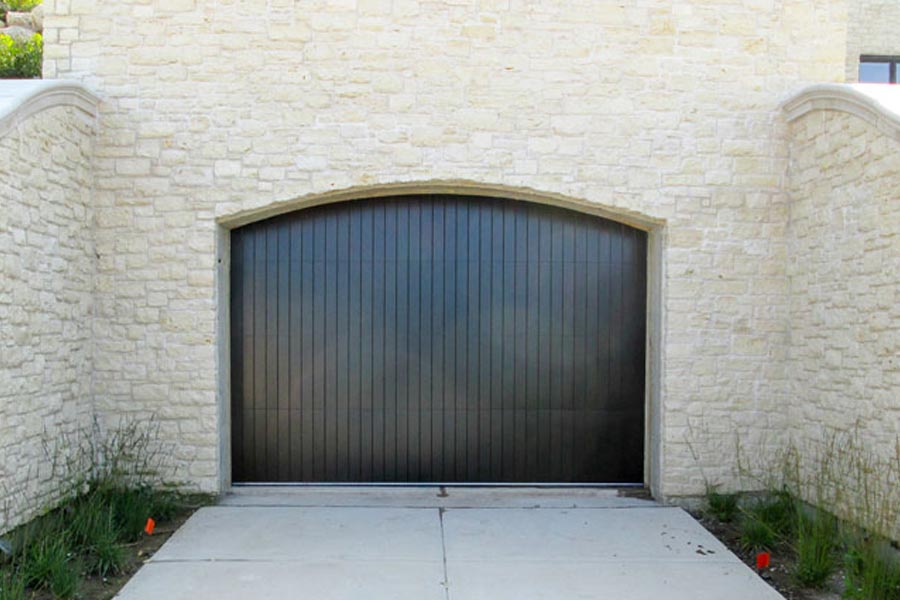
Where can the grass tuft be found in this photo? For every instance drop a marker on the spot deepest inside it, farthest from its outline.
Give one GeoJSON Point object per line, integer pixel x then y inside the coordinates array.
{"type": "Point", "coordinates": [755, 534]}
{"type": "Point", "coordinates": [723, 507]}
{"type": "Point", "coordinates": [46, 560]}
{"type": "Point", "coordinates": [12, 585]}
{"type": "Point", "coordinates": [815, 546]}
{"type": "Point", "coordinates": [778, 512]}
{"type": "Point", "coordinates": [94, 529]}
{"type": "Point", "coordinates": [871, 574]}
{"type": "Point", "coordinates": [768, 521]}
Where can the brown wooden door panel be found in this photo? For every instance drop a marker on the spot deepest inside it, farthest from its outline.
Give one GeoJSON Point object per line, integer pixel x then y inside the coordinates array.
{"type": "Point", "coordinates": [438, 339]}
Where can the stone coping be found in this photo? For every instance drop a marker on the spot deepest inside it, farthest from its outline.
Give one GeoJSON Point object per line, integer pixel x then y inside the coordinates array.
{"type": "Point", "coordinates": [878, 104]}
{"type": "Point", "coordinates": [22, 98]}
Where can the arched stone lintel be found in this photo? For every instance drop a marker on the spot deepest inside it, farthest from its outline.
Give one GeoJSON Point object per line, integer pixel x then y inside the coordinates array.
{"type": "Point", "coordinates": [455, 187]}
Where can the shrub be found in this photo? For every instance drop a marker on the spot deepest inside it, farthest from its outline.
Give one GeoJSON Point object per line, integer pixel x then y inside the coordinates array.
{"type": "Point", "coordinates": [21, 5]}
{"type": "Point", "coordinates": [21, 60]}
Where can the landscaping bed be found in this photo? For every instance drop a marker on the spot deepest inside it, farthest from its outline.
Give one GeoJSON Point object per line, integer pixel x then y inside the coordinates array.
{"type": "Point", "coordinates": [95, 587]}
{"type": "Point", "coordinates": [114, 515]}
{"type": "Point", "coordinates": [811, 554]}
{"type": "Point", "coordinates": [778, 574]}
{"type": "Point", "coordinates": [90, 546]}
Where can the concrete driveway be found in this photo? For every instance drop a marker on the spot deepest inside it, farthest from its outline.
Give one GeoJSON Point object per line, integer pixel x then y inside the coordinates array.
{"type": "Point", "coordinates": [470, 544]}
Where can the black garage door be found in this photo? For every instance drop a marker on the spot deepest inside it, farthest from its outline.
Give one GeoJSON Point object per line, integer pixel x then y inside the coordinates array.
{"type": "Point", "coordinates": [438, 339]}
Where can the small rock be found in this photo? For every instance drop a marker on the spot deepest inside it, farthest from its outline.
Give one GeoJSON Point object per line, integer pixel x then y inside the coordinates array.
{"type": "Point", "coordinates": [37, 18]}
{"type": "Point", "coordinates": [18, 19]}
{"type": "Point", "coordinates": [19, 34]}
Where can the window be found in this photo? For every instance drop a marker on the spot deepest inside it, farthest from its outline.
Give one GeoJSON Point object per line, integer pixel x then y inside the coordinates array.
{"type": "Point", "coordinates": [878, 69]}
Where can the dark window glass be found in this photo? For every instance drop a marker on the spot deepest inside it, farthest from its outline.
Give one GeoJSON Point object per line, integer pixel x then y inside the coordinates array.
{"type": "Point", "coordinates": [875, 72]}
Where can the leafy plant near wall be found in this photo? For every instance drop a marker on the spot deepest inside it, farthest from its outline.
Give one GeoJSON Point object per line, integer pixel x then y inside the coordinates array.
{"type": "Point", "coordinates": [21, 60]}
{"type": "Point", "coordinates": [21, 5]}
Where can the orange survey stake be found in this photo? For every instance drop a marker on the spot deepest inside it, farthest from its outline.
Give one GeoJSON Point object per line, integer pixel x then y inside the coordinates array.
{"type": "Point", "coordinates": [150, 526]}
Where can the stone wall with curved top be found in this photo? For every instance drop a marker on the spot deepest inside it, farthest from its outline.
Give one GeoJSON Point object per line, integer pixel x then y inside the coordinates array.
{"type": "Point", "coordinates": [844, 269]}
{"type": "Point", "coordinates": [47, 266]}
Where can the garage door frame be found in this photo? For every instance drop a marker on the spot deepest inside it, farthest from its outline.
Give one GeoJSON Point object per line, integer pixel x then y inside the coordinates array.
{"type": "Point", "coordinates": [654, 318]}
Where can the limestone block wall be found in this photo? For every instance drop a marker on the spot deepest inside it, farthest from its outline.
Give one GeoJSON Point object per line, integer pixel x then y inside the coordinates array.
{"type": "Point", "coordinates": [46, 278]}
{"type": "Point", "coordinates": [660, 110]}
{"type": "Point", "coordinates": [873, 27]}
{"type": "Point", "coordinates": [844, 268]}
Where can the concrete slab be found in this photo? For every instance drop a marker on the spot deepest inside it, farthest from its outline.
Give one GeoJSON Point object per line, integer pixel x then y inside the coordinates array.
{"type": "Point", "coordinates": [422, 544]}
{"type": "Point", "coordinates": [661, 533]}
{"type": "Point", "coordinates": [634, 553]}
{"type": "Point", "coordinates": [613, 580]}
{"type": "Point", "coordinates": [395, 580]}
{"type": "Point", "coordinates": [307, 534]}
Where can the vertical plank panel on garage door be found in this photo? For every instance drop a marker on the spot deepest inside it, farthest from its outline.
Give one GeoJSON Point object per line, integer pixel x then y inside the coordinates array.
{"type": "Point", "coordinates": [438, 339]}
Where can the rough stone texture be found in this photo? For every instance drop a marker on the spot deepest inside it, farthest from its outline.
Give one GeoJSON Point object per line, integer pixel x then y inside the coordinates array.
{"type": "Point", "coordinates": [844, 248]}
{"type": "Point", "coordinates": [46, 268]}
{"type": "Point", "coordinates": [665, 110]}
{"type": "Point", "coordinates": [37, 18]}
{"type": "Point", "coordinates": [18, 33]}
{"type": "Point", "coordinates": [19, 19]}
{"type": "Point", "coordinates": [873, 28]}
